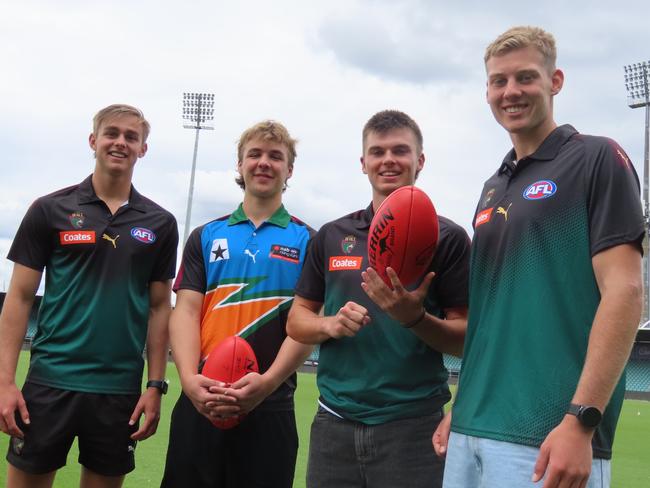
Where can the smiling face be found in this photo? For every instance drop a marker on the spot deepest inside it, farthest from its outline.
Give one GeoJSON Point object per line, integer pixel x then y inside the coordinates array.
{"type": "Point", "coordinates": [520, 91]}
{"type": "Point", "coordinates": [391, 160]}
{"type": "Point", "coordinates": [264, 168]}
{"type": "Point", "coordinates": [118, 143]}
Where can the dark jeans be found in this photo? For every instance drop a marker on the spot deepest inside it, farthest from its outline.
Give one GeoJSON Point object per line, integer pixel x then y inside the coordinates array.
{"type": "Point", "coordinates": [345, 454]}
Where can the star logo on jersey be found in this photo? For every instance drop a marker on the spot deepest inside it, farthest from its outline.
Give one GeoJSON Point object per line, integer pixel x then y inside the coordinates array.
{"type": "Point", "coordinates": [239, 307]}
{"type": "Point", "coordinates": [77, 219]}
{"type": "Point", "coordinates": [219, 250]}
{"type": "Point", "coordinates": [504, 211]}
{"type": "Point", "coordinates": [348, 243]}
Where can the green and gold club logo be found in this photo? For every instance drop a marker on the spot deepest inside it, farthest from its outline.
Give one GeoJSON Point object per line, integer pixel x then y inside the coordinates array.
{"type": "Point", "coordinates": [77, 220]}
{"type": "Point", "coordinates": [348, 243]}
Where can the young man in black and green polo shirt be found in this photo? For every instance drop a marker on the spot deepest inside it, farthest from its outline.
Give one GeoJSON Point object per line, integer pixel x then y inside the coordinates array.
{"type": "Point", "coordinates": [381, 376]}
{"type": "Point", "coordinates": [109, 256]}
{"type": "Point", "coordinates": [555, 290]}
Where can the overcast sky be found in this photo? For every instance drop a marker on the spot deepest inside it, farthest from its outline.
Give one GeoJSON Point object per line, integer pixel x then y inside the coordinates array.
{"type": "Point", "coordinates": [322, 68]}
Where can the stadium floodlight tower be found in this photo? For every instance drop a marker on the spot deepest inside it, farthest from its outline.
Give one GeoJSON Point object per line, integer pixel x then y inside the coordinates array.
{"type": "Point", "coordinates": [198, 108]}
{"type": "Point", "coordinates": [637, 78]}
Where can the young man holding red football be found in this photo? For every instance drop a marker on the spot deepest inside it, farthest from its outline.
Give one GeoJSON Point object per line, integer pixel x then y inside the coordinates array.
{"type": "Point", "coordinates": [109, 256]}
{"type": "Point", "coordinates": [237, 278]}
{"type": "Point", "coordinates": [555, 291]}
{"type": "Point", "coordinates": [380, 374]}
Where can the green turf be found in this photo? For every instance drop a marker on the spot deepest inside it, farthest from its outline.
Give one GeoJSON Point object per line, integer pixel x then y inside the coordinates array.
{"type": "Point", "coordinates": [631, 465]}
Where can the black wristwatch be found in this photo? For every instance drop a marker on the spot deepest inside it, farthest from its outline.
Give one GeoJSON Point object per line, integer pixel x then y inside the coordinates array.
{"type": "Point", "coordinates": [587, 415]}
{"type": "Point", "coordinates": [162, 385]}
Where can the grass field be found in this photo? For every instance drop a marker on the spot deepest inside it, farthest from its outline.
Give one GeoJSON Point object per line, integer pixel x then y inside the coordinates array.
{"type": "Point", "coordinates": [631, 465]}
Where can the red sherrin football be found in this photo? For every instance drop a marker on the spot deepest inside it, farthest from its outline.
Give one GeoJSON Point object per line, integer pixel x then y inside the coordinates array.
{"type": "Point", "coordinates": [403, 234]}
{"type": "Point", "coordinates": [231, 359]}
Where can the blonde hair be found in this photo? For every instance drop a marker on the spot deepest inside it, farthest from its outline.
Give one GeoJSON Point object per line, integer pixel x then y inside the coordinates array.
{"type": "Point", "coordinates": [523, 36]}
{"type": "Point", "coordinates": [270, 131]}
{"type": "Point", "coordinates": [117, 110]}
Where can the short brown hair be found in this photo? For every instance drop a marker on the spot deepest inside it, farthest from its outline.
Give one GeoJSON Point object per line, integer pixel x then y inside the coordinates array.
{"type": "Point", "coordinates": [523, 36]}
{"type": "Point", "coordinates": [267, 130]}
{"type": "Point", "coordinates": [388, 120]}
{"type": "Point", "coordinates": [121, 109]}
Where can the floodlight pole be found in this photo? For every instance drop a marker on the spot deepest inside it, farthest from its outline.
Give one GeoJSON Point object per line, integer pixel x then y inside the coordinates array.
{"type": "Point", "coordinates": [637, 79]}
{"type": "Point", "coordinates": [188, 214]}
{"type": "Point", "coordinates": [197, 108]}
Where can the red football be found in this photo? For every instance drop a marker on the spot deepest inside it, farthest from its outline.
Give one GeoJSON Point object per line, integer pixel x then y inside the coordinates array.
{"type": "Point", "coordinates": [403, 234]}
{"type": "Point", "coordinates": [231, 359]}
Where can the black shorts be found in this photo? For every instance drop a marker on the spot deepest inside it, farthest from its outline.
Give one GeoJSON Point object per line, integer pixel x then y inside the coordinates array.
{"type": "Point", "coordinates": [100, 421]}
{"type": "Point", "coordinates": [259, 452]}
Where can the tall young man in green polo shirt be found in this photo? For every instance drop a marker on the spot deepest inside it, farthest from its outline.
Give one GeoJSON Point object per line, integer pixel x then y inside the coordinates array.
{"type": "Point", "coordinates": [555, 290]}
{"type": "Point", "coordinates": [109, 255]}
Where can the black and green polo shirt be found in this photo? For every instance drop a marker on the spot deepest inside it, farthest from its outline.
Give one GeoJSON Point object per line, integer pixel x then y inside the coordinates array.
{"type": "Point", "coordinates": [92, 323]}
{"type": "Point", "coordinates": [384, 372]}
{"type": "Point", "coordinates": [533, 293]}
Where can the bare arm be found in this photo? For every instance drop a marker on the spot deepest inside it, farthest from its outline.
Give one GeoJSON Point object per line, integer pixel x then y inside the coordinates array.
{"type": "Point", "coordinates": [306, 326]}
{"type": "Point", "coordinates": [185, 337]}
{"type": "Point", "coordinates": [567, 449]}
{"type": "Point", "coordinates": [157, 349]}
{"type": "Point", "coordinates": [407, 307]}
{"type": "Point", "coordinates": [184, 332]}
{"type": "Point", "coordinates": [158, 332]}
{"type": "Point", "coordinates": [13, 326]}
{"type": "Point", "coordinates": [445, 335]}
{"type": "Point", "coordinates": [253, 388]}
{"type": "Point", "coordinates": [618, 274]}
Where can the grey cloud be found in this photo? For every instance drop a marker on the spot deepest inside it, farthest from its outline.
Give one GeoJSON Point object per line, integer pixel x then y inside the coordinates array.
{"type": "Point", "coordinates": [399, 46]}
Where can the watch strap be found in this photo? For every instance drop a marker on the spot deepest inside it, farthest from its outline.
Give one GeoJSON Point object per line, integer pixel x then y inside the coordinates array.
{"type": "Point", "coordinates": [161, 385]}
{"type": "Point", "coordinates": [587, 415]}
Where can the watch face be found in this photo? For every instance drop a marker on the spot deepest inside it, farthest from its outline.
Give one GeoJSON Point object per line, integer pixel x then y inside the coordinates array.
{"type": "Point", "coordinates": [590, 416]}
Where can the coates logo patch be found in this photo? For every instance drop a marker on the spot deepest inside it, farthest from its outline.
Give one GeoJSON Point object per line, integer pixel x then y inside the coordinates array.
{"type": "Point", "coordinates": [343, 263]}
{"type": "Point", "coordinates": [348, 243]}
{"type": "Point", "coordinates": [77, 220]}
{"type": "Point", "coordinates": [539, 190]}
{"type": "Point", "coordinates": [143, 235]}
{"type": "Point", "coordinates": [483, 217]}
{"type": "Point", "coordinates": [291, 254]}
{"type": "Point", "coordinates": [76, 237]}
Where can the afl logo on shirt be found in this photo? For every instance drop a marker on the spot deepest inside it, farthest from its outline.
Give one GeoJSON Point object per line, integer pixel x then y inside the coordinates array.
{"type": "Point", "coordinates": [539, 190]}
{"type": "Point", "coordinates": [143, 235]}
